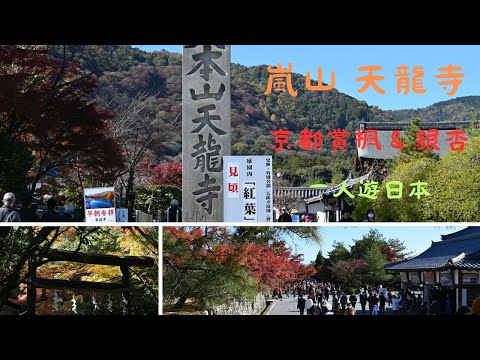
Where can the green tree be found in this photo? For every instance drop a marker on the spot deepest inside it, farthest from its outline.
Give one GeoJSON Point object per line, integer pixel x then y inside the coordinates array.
{"type": "Point", "coordinates": [339, 252]}
{"type": "Point", "coordinates": [373, 240]}
{"type": "Point", "coordinates": [362, 205]}
{"type": "Point", "coordinates": [409, 141]}
{"type": "Point", "coordinates": [24, 248]}
{"type": "Point", "coordinates": [399, 248]}
{"type": "Point", "coordinates": [320, 259]}
{"type": "Point", "coordinates": [407, 208]}
{"type": "Point", "coordinates": [205, 283]}
{"type": "Point", "coordinates": [474, 129]}
{"type": "Point", "coordinates": [203, 279]}
{"type": "Point", "coordinates": [374, 271]}
{"type": "Point", "coordinates": [454, 186]}
{"type": "Point", "coordinates": [152, 198]}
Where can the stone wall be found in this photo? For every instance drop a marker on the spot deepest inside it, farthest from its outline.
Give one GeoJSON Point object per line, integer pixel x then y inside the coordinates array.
{"type": "Point", "coordinates": [242, 307]}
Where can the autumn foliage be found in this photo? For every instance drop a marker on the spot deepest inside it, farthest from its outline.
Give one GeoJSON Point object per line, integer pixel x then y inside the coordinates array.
{"type": "Point", "coordinates": [390, 254]}
{"type": "Point", "coordinates": [165, 173]}
{"type": "Point", "coordinates": [272, 265]}
{"type": "Point", "coordinates": [46, 105]}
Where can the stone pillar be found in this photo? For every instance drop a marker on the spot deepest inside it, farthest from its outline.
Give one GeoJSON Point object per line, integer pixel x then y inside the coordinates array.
{"type": "Point", "coordinates": [206, 135]}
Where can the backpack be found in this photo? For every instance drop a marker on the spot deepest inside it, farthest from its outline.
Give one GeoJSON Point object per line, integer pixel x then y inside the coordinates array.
{"type": "Point", "coordinates": [5, 212]}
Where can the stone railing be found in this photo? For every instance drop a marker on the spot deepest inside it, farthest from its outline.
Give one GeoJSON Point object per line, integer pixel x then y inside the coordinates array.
{"type": "Point", "coordinates": [298, 192]}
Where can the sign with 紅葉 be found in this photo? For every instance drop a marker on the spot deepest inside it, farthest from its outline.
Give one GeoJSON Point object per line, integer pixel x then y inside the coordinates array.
{"type": "Point", "coordinates": [248, 189]}
{"type": "Point", "coordinates": [100, 205]}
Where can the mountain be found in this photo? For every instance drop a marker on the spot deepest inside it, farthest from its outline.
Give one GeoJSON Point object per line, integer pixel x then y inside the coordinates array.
{"type": "Point", "coordinates": [124, 72]}
{"type": "Point", "coordinates": [458, 109]}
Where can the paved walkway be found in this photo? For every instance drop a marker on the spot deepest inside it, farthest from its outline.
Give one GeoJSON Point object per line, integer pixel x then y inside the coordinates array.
{"type": "Point", "coordinates": [288, 306]}
{"type": "Point", "coordinates": [285, 306]}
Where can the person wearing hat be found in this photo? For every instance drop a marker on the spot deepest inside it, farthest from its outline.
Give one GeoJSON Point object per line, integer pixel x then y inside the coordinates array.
{"type": "Point", "coordinates": [174, 213]}
{"type": "Point", "coordinates": [7, 214]}
{"type": "Point", "coordinates": [285, 217]}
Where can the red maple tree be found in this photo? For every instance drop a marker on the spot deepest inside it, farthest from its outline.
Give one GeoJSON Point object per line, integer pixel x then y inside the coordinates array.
{"type": "Point", "coordinates": [165, 173]}
{"type": "Point", "coordinates": [390, 254]}
{"type": "Point", "coordinates": [272, 265]}
{"type": "Point", "coordinates": [46, 104]}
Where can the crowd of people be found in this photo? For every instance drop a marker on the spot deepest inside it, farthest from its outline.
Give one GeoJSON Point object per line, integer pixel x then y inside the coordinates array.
{"type": "Point", "coordinates": [313, 297]}
{"type": "Point", "coordinates": [285, 216]}
{"type": "Point", "coordinates": [49, 211]}
{"type": "Point", "coordinates": [27, 212]}
{"type": "Point", "coordinates": [324, 298]}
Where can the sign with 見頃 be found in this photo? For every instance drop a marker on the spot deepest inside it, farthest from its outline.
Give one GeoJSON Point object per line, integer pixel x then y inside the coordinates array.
{"type": "Point", "coordinates": [248, 188]}
{"type": "Point", "coordinates": [205, 130]}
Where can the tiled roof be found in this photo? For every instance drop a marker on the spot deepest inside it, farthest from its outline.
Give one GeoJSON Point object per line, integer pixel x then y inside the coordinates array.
{"type": "Point", "coordinates": [387, 152]}
{"type": "Point", "coordinates": [441, 253]}
{"type": "Point", "coordinates": [350, 183]}
{"type": "Point", "coordinates": [468, 232]}
{"type": "Point", "coordinates": [471, 262]}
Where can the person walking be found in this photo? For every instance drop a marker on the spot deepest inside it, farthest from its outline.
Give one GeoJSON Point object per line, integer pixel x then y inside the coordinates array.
{"type": "Point", "coordinates": [353, 300]}
{"type": "Point", "coordinates": [363, 301]}
{"type": "Point", "coordinates": [372, 303]}
{"type": "Point", "coordinates": [382, 300]}
{"type": "Point", "coordinates": [343, 301]}
{"type": "Point", "coordinates": [27, 212]}
{"type": "Point", "coordinates": [316, 309]}
{"type": "Point", "coordinates": [396, 304]}
{"type": "Point", "coordinates": [7, 214]}
{"type": "Point", "coordinates": [285, 216]}
{"type": "Point", "coordinates": [301, 304]}
{"type": "Point", "coordinates": [51, 215]}
{"type": "Point", "coordinates": [334, 299]}
{"type": "Point", "coordinates": [389, 298]}
{"type": "Point", "coordinates": [174, 213]}
{"type": "Point", "coordinates": [309, 305]}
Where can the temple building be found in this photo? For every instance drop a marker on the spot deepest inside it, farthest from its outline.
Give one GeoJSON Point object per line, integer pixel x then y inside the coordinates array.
{"type": "Point", "coordinates": [318, 201]}
{"type": "Point", "coordinates": [450, 267]}
{"type": "Point", "coordinates": [370, 158]}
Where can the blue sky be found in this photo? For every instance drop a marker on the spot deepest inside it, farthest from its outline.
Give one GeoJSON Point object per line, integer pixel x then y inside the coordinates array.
{"type": "Point", "coordinates": [345, 60]}
{"type": "Point", "coordinates": [415, 238]}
